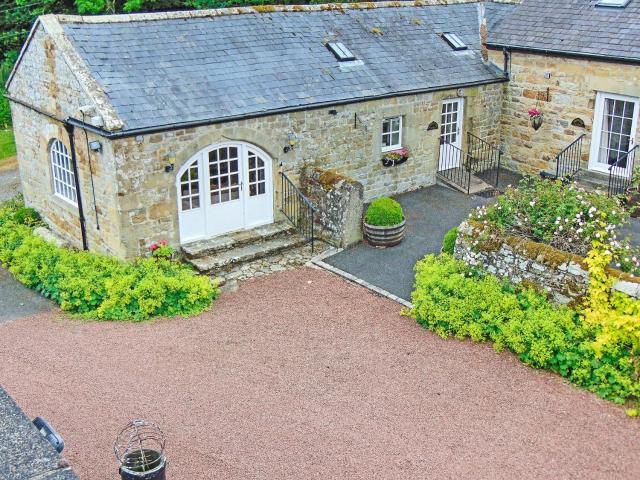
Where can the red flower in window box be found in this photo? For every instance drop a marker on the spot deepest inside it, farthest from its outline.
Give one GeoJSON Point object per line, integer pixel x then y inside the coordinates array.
{"type": "Point", "coordinates": [395, 157]}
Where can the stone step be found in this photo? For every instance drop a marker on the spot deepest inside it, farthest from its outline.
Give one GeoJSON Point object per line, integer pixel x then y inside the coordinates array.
{"type": "Point", "coordinates": [224, 260]}
{"type": "Point", "coordinates": [210, 246]}
{"type": "Point", "coordinates": [593, 180]}
{"type": "Point", "coordinates": [476, 187]}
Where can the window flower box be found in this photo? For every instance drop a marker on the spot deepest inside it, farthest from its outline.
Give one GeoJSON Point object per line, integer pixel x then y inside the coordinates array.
{"type": "Point", "coordinates": [395, 157]}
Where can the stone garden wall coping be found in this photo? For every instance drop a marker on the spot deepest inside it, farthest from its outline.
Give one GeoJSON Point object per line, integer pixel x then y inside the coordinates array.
{"type": "Point", "coordinates": [339, 200]}
{"type": "Point", "coordinates": [565, 276]}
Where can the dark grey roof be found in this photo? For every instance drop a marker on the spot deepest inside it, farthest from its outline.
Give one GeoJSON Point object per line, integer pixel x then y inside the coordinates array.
{"type": "Point", "coordinates": [573, 26]}
{"type": "Point", "coordinates": [496, 13]}
{"type": "Point", "coordinates": [24, 452]}
{"type": "Point", "coordinates": [169, 71]}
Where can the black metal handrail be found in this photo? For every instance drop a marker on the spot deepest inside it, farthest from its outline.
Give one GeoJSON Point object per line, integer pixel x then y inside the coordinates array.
{"type": "Point", "coordinates": [568, 161]}
{"type": "Point", "coordinates": [621, 172]}
{"type": "Point", "coordinates": [487, 159]}
{"type": "Point", "coordinates": [454, 165]}
{"type": "Point", "coordinates": [298, 209]}
{"type": "Point", "coordinates": [482, 159]}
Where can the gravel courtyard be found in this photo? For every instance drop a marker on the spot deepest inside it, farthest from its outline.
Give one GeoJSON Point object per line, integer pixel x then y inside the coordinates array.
{"type": "Point", "coordinates": [302, 375]}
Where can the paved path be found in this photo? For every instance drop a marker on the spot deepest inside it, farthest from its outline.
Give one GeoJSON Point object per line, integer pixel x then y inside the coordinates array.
{"type": "Point", "coordinates": [17, 301]}
{"type": "Point", "coordinates": [9, 184]}
{"type": "Point", "coordinates": [430, 213]}
{"type": "Point", "coordinates": [304, 375]}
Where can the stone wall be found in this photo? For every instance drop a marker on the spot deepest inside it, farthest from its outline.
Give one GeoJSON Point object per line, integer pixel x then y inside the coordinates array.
{"type": "Point", "coordinates": [521, 261]}
{"type": "Point", "coordinates": [568, 94]}
{"type": "Point", "coordinates": [339, 203]}
{"type": "Point", "coordinates": [344, 138]}
{"type": "Point", "coordinates": [58, 92]}
{"type": "Point", "coordinates": [129, 199]}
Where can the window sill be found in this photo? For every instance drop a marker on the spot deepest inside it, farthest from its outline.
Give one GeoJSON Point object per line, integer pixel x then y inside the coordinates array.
{"type": "Point", "coordinates": [393, 148]}
{"type": "Point", "coordinates": [65, 201]}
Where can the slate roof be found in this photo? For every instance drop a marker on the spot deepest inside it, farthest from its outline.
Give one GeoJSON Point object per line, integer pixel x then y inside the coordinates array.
{"type": "Point", "coordinates": [577, 27]}
{"type": "Point", "coordinates": [171, 71]}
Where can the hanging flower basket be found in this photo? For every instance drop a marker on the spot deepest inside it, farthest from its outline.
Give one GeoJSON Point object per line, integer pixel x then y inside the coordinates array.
{"type": "Point", "coordinates": [536, 117]}
{"type": "Point", "coordinates": [394, 158]}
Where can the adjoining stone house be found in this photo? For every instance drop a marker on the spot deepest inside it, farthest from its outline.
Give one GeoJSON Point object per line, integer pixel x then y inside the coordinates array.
{"type": "Point", "coordinates": [177, 126]}
{"type": "Point", "coordinates": [578, 61]}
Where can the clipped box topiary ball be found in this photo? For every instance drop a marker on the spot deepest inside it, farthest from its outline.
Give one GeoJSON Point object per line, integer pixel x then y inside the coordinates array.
{"type": "Point", "coordinates": [384, 212]}
{"type": "Point", "coordinates": [384, 223]}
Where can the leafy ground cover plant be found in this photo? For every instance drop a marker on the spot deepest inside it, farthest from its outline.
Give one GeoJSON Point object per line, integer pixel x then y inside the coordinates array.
{"type": "Point", "coordinates": [449, 241]}
{"type": "Point", "coordinates": [564, 216]}
{"type": "Point", "coordinates": [98, 286]}
{"type": "Point", "coordinates": [384, 212]}
{"type": "Point", "coordinates": [453, 299]}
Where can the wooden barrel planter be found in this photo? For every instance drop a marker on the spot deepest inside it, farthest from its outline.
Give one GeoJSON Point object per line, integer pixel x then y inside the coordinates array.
{"type": "Point", "coordinates": [389, 236]}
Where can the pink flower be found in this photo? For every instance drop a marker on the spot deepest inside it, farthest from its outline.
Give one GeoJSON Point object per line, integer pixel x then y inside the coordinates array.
{"type": "Point", "coordinates": [154, 246]}
{"type": "Point", "coordinates": [164, 242]}
{"type": "Point", "coordinates": [534, 112]}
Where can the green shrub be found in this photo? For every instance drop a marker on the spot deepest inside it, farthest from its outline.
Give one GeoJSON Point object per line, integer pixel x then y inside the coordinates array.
{"type": "Point", "coordinates": [454, 300]}
{"type": "Point", "coordinates": [449, 241]}
{"type": "Point", "coordinates": [384, 212]}
{"type": "Point", "coordinates": [564, 216]}
{"type": "Point", "coordinates": [99, 286]}
{"type": "Point", "coordinates": [27, 216]}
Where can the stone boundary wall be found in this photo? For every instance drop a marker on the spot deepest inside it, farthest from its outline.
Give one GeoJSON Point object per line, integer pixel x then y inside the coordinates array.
{"type": "Point", "coordinates": [522, 261]}
{"type": "Point", "coordinates": [340, 204]}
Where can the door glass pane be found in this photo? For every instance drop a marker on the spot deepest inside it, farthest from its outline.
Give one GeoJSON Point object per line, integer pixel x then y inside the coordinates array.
{"type": "Point", "coordinates": [617, 123]}
{"type": "Point", "coordinates": [224, 172]}
{"type": "Point", "coordinates": [257, 175]}
{"type": "Point", "coordinates": [190, 188]}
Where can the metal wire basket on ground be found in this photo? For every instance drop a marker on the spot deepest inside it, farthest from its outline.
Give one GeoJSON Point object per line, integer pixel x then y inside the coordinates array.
{"type": "Point", "coordinates": [140, 450]}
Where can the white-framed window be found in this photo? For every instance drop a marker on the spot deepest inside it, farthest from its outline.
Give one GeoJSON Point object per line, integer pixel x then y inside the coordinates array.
{"type": "Point", "coordinates": [64, 181]}
{"type": "Point", "coordinates": [391, 134]}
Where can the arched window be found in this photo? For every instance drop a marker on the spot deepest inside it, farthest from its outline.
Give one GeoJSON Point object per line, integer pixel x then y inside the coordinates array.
{"type": "Point", "coordinates": [64, 181]}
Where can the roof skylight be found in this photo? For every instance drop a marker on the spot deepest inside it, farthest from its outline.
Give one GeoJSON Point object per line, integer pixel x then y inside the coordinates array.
{"type": "Point", "coordinates": [613, 3]}
{"type": "Point", "coordinates": [454, 41]}
{"type": "Point", "coordinates": [342, 53]}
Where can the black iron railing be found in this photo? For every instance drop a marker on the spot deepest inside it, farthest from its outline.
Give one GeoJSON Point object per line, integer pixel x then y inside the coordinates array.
{"type": "Point", "coordinates": [568, 161]}
{"type": "Point", "coordinates": [621, 172]}
{"type": "Point", "coordinates": [298, 209]}
{"type": "Point", "coordinates": [487, 159]}
{"type": "Point", "coordinates": [482, 160]}
{"type": "Point", "coordinates": [454, 166]}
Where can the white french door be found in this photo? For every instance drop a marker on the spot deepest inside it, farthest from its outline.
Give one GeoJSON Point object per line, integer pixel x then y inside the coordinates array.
{"type": "Point", "coordinates": [614, 130]}
{"type": "Point", "coordinates": [224, 188]}
{"type": "Point", "coordinates": [451, 122]}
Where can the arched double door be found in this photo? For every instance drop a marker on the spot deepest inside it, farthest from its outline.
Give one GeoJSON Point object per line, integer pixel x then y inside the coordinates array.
{"type": "Point", "coordinates": [224, 188]}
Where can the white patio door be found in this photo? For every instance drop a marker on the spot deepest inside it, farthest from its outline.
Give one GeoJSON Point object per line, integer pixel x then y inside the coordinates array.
{"type": "Point", "coordinates": [451, 122]}
{"type": "Point", "coordinates": [614, 129]}
{"type": "Point", "coordinates": [224, 188]}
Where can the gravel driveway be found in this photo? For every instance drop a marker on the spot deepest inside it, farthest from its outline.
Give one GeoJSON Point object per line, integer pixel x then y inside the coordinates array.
{"type": "Point", "coordinates": [302, 375]}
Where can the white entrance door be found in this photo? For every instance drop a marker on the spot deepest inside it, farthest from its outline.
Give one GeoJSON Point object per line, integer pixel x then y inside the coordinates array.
{"type": "Point", "coordinates": [224, 188]}
{"type": "Point", "coordinates": [614, 129]}
{"type": "Point", "coordinates": [451, 133]}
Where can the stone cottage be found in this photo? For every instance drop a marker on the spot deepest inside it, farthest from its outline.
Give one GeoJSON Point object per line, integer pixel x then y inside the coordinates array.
{"type": "Point", "coordinates": [184, 125]}
{"type": "Point", "coordinates": [578, 62]}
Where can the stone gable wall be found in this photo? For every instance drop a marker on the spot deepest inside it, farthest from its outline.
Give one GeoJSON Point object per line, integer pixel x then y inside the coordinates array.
{"type": "Point", "coordinates": [348, 142]}
{"type": "Point", "coordinates": [45, 82]}
{"type": "Point", "coordinates": [569, 93]}
{"type": "Point", "coordinates": [564, 276]}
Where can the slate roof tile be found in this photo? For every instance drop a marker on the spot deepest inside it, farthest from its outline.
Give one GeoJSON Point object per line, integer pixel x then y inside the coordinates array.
{"type": "Point", "coordinates": [172, 71]}
{"type": "Point", "coordinates": [574, 27]}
